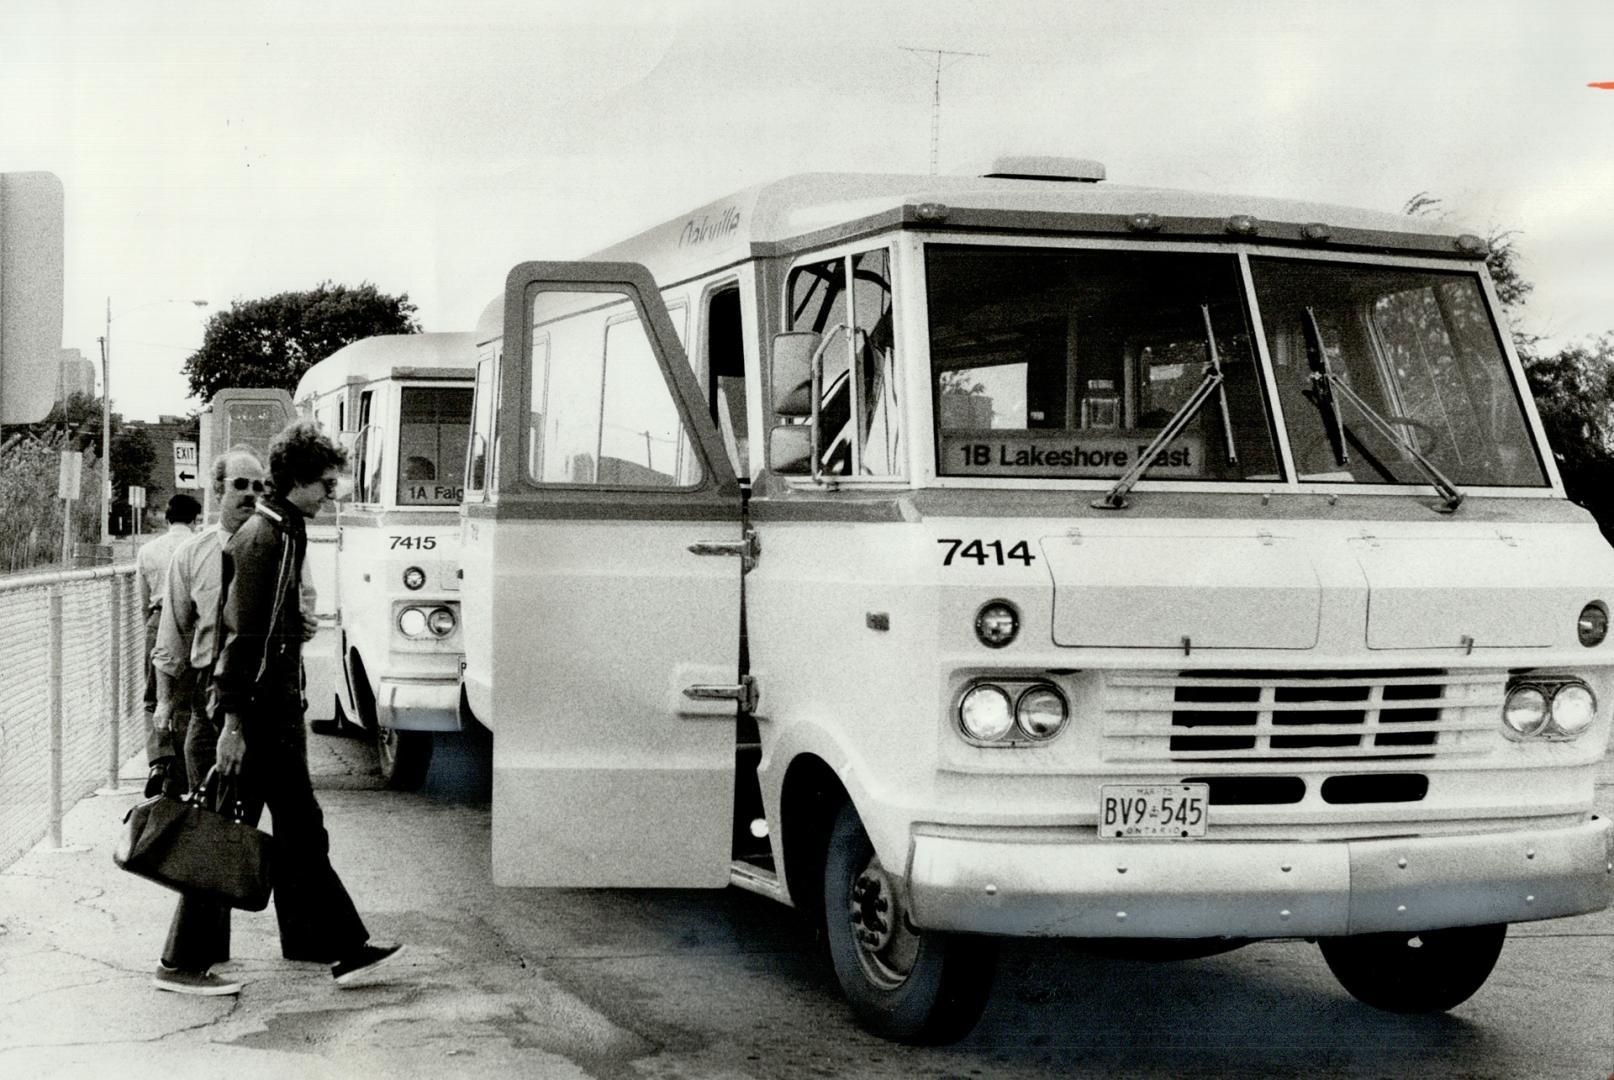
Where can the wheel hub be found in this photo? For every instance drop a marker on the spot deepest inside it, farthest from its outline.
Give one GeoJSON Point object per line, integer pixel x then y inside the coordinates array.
{"type": "Point", "coordinates": [887, 944]}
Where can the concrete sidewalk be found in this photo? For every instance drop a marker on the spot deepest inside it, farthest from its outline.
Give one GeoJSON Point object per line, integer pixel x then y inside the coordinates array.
{"type": "Point", "coordinates": [79, 940]}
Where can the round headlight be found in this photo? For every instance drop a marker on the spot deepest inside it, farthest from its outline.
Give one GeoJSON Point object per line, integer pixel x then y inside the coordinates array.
{"type": "Point", "coordinates": [440, 621]}
{"type": "Point", "coordinates": [996, 624]}
{"type": "Point", "coordinates": [985, 713]}
{"type": "Point", "coordinates": [1525, 710]}
{"type": "Point", "coordinates": [1573, 709]}
{"type": "Point", "coordinates": [1041, 712]}
{"type": "Point", "coordinates": [1592, 626]}
{"type": "Point", "coordinates": [414, 577]}
{"type": "Point", "coordinates": [412, 621]}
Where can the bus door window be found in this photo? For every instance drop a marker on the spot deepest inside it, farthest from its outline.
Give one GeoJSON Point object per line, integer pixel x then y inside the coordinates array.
{"type": "Point", "coordinates": [367, 452]}
{"type": "Point", "coordinates": [433, 428]}
{"type": "Point", "coordinates": [601, 412]}
{"type": "Point", "coordinates": [725, 359]}
{"type": "Point", "coordinates": [476, 471]}
{"type": "Point", "coordinates": [860, 318]}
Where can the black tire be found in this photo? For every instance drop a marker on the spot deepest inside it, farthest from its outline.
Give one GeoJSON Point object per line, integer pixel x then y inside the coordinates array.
{"type": "Point", "coordinates": [404, 757]}
{"type": "Point", "coordinates": [1430, 971]}
{"type": "Point", "coordinates": [904, 984]}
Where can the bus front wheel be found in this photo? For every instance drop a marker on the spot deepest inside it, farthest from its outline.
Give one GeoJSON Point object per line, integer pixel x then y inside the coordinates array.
{"type": "Point", "coordinates": [903, 983]}
{"type": "Point", "coordinates": [1424, 972]}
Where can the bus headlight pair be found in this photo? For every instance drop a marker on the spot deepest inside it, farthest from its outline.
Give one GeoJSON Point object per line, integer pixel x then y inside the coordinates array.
{"type": "Point", "coordinates": [1548, 709]}
{"type": "Point", "coordinates": [993, 713]}
{"type": "Point", "coordinates": [418, 622]}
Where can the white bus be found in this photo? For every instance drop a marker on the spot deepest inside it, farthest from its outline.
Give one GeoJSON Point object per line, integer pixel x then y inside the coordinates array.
{"type": "Point", "coordinates": [389, 553]}
{"type": "Point", "coordinates": [1114, 563]}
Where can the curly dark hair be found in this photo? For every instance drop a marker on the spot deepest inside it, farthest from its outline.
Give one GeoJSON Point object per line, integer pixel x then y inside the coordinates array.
{"type": "Point", "coordinates": [300, 454]}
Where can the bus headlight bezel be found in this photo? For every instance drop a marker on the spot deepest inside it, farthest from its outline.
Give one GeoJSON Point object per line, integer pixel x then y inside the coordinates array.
{"type": "Point", "coordinates": [414, 578]}
{"type": "Point", "coordinates": [1548, 708]}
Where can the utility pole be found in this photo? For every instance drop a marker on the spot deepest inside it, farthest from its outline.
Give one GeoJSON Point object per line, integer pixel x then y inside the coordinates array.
{"type": "Point", "coordinates": [935, 94]}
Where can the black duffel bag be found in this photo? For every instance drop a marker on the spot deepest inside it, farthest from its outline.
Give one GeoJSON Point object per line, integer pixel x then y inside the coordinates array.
{"type": "Point", "coordinates": [198, 845]}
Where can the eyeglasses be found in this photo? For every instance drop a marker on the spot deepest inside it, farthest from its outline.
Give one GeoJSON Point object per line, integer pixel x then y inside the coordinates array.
{"type": "Point", "coordinates": [241, 483]}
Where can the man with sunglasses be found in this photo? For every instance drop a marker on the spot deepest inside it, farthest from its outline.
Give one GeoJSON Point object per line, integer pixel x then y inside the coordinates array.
{"type": "Point", "coordinates": [182, 661]}
{"type": "Point", "coordinates": [258, 681]}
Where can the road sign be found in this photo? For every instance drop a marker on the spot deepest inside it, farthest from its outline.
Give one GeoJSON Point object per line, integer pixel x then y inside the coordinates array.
{"type": "Point", "coordinates": [69, 475]}
{"type": "Point", "coordinates": [186, 472]}
{"type": "Point", "coordinates": [137, 497]}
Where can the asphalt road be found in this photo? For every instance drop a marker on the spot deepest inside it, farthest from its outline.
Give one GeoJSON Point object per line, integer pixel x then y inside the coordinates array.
{"type": "Point", "coordinates": [672, 984]}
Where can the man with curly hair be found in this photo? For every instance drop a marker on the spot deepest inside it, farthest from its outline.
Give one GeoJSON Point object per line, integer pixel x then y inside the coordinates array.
{"type": "Point", "coordinates": [262, 744]}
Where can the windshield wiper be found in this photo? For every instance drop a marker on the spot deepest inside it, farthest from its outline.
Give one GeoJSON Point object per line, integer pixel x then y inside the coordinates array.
{"type": "Point", "coordinates": [1325, 384]}
{"type": "Point", "coordinates": [1115, 498]}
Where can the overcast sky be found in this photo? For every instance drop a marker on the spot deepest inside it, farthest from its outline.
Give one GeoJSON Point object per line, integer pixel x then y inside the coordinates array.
{"type": "Point", "coordinates": [229, 151]}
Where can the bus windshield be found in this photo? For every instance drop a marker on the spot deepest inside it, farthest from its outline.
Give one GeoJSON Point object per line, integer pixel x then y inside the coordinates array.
{"type": "Point", "coordinates": [1418, 347]}
{"type": "Point", "coordinates": [434, 424]}
{"type": "Point", "coordinates": [1061, 363]}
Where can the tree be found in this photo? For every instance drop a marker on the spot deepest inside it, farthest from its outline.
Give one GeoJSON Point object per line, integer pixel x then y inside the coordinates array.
{"type": "Point", "coordinates": [132, 455]}
{"type": "Point", "coordinates": [270, 342]}
{"type": "Point", "coordinates": [1573, 387]}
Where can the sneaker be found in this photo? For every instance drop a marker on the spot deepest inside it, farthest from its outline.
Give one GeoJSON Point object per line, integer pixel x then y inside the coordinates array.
{"type": "Point", "coordinates": [203, 983]}
{"type": "Point", "coordinates": [362, 963]}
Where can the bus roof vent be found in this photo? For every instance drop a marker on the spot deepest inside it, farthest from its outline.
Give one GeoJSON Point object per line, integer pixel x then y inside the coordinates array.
{"type": "Point", "coordinates": [1033, 167]}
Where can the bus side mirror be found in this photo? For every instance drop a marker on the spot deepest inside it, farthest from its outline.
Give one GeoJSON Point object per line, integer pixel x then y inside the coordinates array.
{"type": "Point", "coordinates": [792, 373]}
{"type": "Point", "coordinates": [790, 449]}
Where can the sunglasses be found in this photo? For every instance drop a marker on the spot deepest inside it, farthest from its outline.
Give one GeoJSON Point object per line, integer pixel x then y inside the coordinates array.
{"type": "Point", "coordinates": [241, 483]}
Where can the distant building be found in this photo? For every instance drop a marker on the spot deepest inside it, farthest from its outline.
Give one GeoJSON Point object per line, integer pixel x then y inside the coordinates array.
{"type": "Point", "coordinates": [75, 375]}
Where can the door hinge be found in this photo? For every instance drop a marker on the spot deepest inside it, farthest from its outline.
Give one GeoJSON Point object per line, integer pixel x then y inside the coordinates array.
{"type": "Point", "coordinates": [745, 692]}
{"type": "Point", "coordinates": [748, 548]}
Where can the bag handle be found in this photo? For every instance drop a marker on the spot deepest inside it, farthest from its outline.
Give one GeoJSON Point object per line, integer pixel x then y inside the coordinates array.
{"type": "Point", "coordinates": [219, 794]}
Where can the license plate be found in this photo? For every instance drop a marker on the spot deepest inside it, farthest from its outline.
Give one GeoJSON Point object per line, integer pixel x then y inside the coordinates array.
{"type": "Point", "coordinates": [1152, 810]}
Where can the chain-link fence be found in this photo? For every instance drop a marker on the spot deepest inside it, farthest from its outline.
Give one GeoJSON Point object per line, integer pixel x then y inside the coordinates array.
{"type": "Point", "coordinates": [72, 649]}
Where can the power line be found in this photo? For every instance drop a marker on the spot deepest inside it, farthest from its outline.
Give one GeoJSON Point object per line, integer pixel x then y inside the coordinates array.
{"type": "Point", "coordinates": [935, 95]}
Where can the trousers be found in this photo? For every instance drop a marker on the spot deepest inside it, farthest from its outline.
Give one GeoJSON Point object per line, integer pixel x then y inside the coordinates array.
{"type": "Point", "coordinates": [316, 916]}
{"type": "Point", "coordinates": [159, 744]}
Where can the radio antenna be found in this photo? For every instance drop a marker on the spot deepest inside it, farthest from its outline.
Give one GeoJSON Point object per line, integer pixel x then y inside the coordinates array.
{"type": "Point", "coordinates": [935, 93]}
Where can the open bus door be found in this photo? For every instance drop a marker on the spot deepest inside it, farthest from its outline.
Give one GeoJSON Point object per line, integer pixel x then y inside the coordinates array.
{"type": "Point", "coordinates": [614, 593]}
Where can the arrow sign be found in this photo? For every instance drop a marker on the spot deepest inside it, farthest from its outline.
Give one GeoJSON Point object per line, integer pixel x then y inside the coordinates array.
{"type": "Point", "coordinates": [185, 470]}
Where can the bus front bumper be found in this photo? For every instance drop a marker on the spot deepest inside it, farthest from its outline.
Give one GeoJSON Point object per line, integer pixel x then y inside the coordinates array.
{"type": "Point", "coordinates": [419, 704]}
{"type": "Point", "coordinates": [990, 882]}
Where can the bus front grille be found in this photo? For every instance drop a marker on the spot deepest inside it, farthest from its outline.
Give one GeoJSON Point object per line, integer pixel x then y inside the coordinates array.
{"type": "Point", "coordinates": [1299, 715]}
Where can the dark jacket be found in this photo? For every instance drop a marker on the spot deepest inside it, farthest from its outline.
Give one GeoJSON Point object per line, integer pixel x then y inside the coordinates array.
{"type": "Point", "coordinates": [261, 625]}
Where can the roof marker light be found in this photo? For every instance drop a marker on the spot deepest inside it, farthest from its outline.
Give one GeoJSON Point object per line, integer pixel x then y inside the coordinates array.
{"type": "Point", "coordinates": [1469, 244]}
{"type": "Point", "coordinates": [932, 211]}
{"type": "Point", "coordinates": [1243, 225]}
{"type": "Point", "coordinates": [1143, 222]}
{"type": "Point", "coordinates": [1317, 231]}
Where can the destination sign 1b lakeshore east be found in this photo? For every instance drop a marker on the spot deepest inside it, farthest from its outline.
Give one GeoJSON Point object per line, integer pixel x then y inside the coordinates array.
{"type": "Point", "coordinates": [1065, 454]}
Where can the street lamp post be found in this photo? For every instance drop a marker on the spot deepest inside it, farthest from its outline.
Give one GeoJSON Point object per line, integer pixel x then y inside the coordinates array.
{"type": "Point", "coordinates": [106, 409]}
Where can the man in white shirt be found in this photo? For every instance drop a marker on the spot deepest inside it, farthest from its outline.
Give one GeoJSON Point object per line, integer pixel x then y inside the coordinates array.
{"type": "Point", "coordinates": [151, 574]}
{"type": "Point", "coordinates": [187, 642]}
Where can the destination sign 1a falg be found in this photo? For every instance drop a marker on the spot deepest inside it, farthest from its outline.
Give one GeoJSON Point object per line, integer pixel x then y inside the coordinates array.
{"type": "Point", "coordinates": [1065, 454]}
